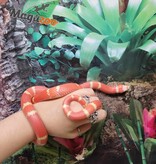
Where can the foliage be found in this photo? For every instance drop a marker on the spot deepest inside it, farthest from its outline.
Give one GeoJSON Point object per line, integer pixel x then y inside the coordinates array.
{"type": "Point", "coordinates": [134, 129]}
{"type": "Point", "coordinates": [54, 61]}
{"type": "Point", "coordinates": [123, 43]}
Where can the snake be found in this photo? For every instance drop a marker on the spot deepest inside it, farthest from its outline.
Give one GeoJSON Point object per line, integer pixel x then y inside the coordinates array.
{"type": "Point", "coordinates": [37, 94]}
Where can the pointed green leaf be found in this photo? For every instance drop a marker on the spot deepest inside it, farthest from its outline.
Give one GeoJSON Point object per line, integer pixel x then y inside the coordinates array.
{"type": "Point", "coordinates": [135, 112]}
{"type": "Point", "coordinates": [119, 121]}
{"type": "Point", "coordinates": [150, 147]}
{"type": "Point", "coordinates": [111, 14]}
{"type": "Point", "coordinates": [144, 16]}
{"type": "Point", "coordinates": [97, 22]}
{"type": "Point", "coordinates": [67, 13]}
{"type": "Point", "coordinates": [94, 5]}
{"type": "Point", "coordinates": [132, 133]}
{"type": "Point", "coordinates": [151, 22]}
{"type": "Point", "coordinates": [93, 41]}
{"type": "Point", "coordinates": [72, 29]}
{"type": "Point", "coordinates": [131, 10]}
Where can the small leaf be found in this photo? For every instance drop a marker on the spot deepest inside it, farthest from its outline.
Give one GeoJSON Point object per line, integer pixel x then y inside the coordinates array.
{"type": "Point", "coordinates": [77, 54]}
{"type": "Point", "coordinates": [56, 64]}
{"type": "Point", "coordinates": [43, 62]}
{"type": "Point", "coordinates": [62, 80]}
{"type": "Point", "coordinates": [42, 29]}
{"type": "Point", "coordinates": [56, 54]}
{"type": "Point", "coordinates": [31, 79]}
{"type": "Point", "coordinates": [36, 36]}
{"type": "Point", "coordinates": [45, 41]}
{"type": "Point", "coordinates": [38, 50]}
{"type": "Point", "coordinates": [135, 112]}
{"type": "Point", "coordinates": [50, 80]}
{"type": "Point", "coordinates": [47, 52]}
{"type": "Point", "coordinates": [69, 55]}
{"type": "Point", "coordinates": [30, 30]}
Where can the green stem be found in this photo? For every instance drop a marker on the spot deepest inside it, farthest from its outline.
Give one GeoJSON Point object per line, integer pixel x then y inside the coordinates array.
{"type": "Point", "coordinates": [141, 143]}
{"type": "Point", "coordinates": [124, 145]}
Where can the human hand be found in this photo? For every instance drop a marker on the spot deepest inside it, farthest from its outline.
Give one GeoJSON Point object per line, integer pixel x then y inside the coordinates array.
{"type": "Point", "coordinates": [57, 123]}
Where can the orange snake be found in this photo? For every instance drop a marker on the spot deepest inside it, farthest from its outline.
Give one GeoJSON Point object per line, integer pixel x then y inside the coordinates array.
{"type": "Point", "coordinates": [40, 93]}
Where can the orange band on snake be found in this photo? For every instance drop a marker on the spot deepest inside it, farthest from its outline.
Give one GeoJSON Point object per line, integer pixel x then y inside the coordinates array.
{"type": "Point", "coordinates": [39, 93]}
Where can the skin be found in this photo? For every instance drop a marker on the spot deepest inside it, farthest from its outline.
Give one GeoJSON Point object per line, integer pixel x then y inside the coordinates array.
{"type": "Point", "coordinates": [16, 131]}
{"type": "Point", "coordinates": [3, 2]}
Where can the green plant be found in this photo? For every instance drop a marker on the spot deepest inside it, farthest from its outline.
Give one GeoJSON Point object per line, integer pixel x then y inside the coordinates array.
{"type": "Point", "coordinates": [121, 45]}
{"type": "Point", "coordinates": [54, 63]}
{"type": "Point", "coordinates": [132, 128]}
{"type": "Point", "coordinates": [139, 128]}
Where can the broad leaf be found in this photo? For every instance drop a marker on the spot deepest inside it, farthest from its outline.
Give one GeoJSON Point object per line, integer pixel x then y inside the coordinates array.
{"type": "Point", "coordinates": [116, 50]}
{"type": "Point", "coordinates": [94, 5]}
{"type": "Point", "coordinates": [111, 14]}
{"type": "Point", "coordinates": [72, 29]}
{"type": "Point", "coordinates": [94, 20]}
{"type": "Point", "coordinates": [144, 16]}
{"type": "Point", "coordinates": [89, 47]}
{"type": "Point", "coordinates": [93, 74]}
{"type": "Point", "coordinates": [131, 10]}
{"type": "Point", "coordinates": [67, 13]}
{"type": "Point", "coordinates": [149, 46]}
{"type": "Point", "coordinates": [63, 40]}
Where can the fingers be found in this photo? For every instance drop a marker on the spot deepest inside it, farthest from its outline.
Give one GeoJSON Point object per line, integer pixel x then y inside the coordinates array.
{"type": "Point", "coordinates": [83, 92]}
{"type": "Point", "coordinates": [101, 115]}
{"type": "Point", "coordinates": [80, 130]}
{"type": "Point", "coordinates": [83, 128]}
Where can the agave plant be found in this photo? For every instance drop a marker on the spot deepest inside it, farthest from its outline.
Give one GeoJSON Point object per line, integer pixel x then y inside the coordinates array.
{"type": "Point", "coordinates": [117, 44]}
